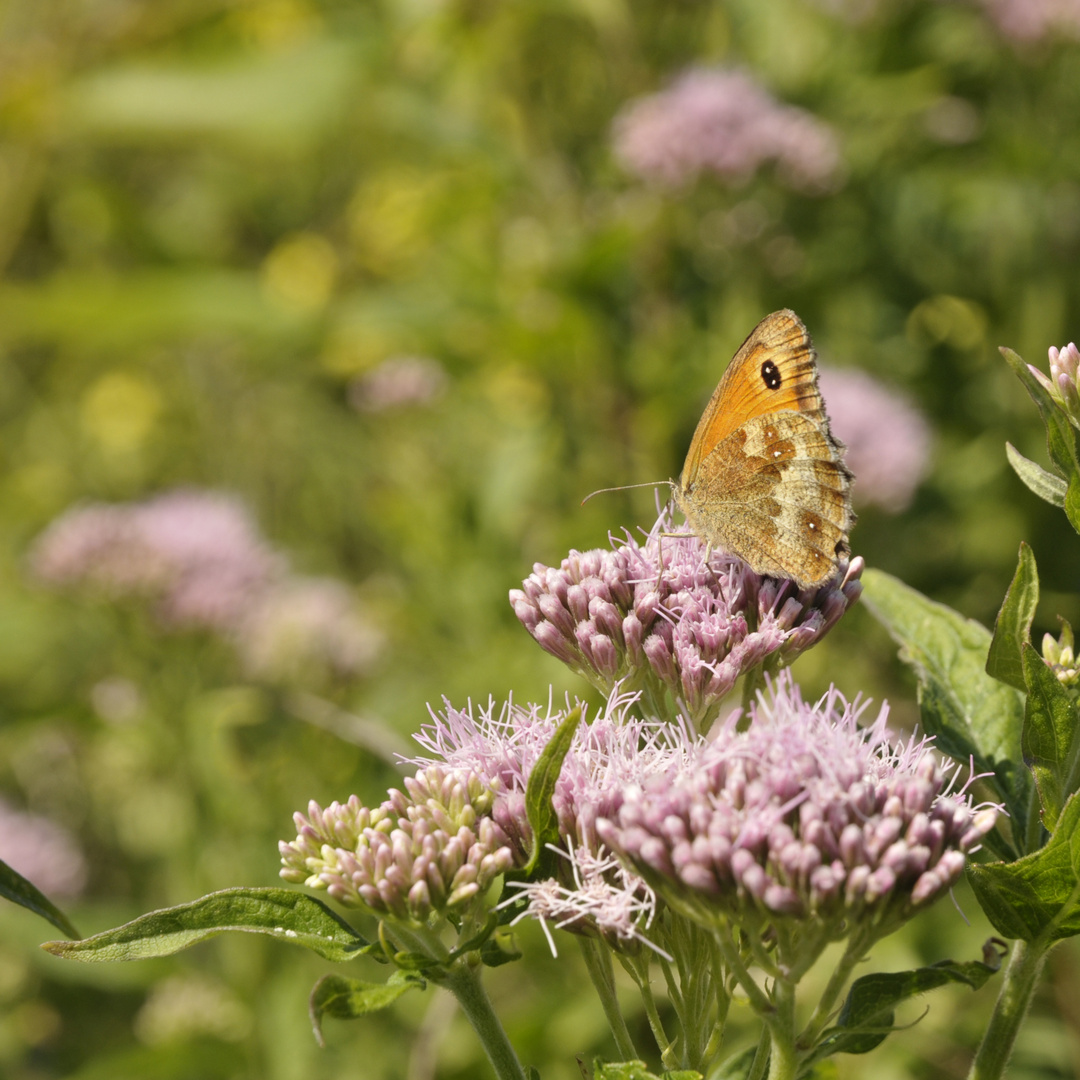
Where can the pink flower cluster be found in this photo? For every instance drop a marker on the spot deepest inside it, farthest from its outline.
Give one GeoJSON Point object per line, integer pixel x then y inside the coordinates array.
{"type": "Point", "coordinates": [590, 892]}
{"type": "Point", "coordinates": [888, 440]}
{"type": "Point", "coordinates": [198, 557]}
{"type": "Point", "coordinates": [430, 851]}
{"type": "Point", "coordinates": [723, 122]}
{"type": "Point", "coordinates": [657, 617]}
{"type": "Point", "coordinates": [802, 815]}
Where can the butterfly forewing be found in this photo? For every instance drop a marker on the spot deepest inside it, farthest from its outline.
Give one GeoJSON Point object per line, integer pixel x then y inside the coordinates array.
{"type": "Point", "coordinates": [774, 369]}
{"type": "Point", "coordinates": [764, 478]}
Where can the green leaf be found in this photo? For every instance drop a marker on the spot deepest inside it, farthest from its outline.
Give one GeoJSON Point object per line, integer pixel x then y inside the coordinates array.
{"type": "Point", "coordinates": [637, 1070]}
{"type": "Point", "coordinates": [1046, 485]}
{"type": "Point", "coordinates": [541, 787]}
{"type": "Point", "coordinates": [501, 948]}
{"type": "Point", "coordinates": [14, 887]}
{"type": "Point", "coordinates": [1050, 745]}
{"type": "Point", "coordinates": [1072, 501]}
{"type": "Point", "coordinates": [737, 1066]}
{"type": "Point", "coordinates": [1060, 433]}
{"type": "Point", "coordinates": [1013, 626]}
{"type": "Point", "coordinates": [1038, 895]}
{"type": "Point", "coordinates": [348, 999]}
{"type": "Point", "coordinates": [970, 713]}
{"type": "Point", "coordinates": [280, 913]}
{"type": "Point", "coordinates": [868, 1013]}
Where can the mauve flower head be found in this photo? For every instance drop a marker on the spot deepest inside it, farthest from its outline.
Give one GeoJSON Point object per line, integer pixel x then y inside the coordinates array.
{"type": "Point", "coordinates": [44, 853]}
{"type": "Point", "coordinates": [690, 628]}
{"type": "Point", "coordinates": [197, 554]}
{"type": "Point", "coordinates": [1031, 20]}
{"type": "Point", "coordinates": [397, 382]}
{"type": "Point", "coordinates": [589, 893]}
{"type": "Point", "coordinates": [888, 440]}
{"type": "Point", "coordinates": [723, 122]}
{"type": "Point", "coordinates": [299, 625]}
{"type": "Point", "coordinates": [1061, 384]}
{"type": "Point", "coordinates": [503, 744]}
{"type": "Point", "coordinates": [802, 816]}
{"type": "Point", "coordinates": [425, 852]}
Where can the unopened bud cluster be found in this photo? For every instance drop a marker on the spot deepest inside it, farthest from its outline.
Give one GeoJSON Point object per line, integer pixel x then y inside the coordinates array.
{"type": "Point", "coordinates": [659, 617]}
{"type": "Point", "coordinates": [1060, 654]}
{"type": "Point", "coordinates": [802, 815]}
{"type": "Point", "coordinates": [428, 850]}
{"type": "Point", "coordinates": [1064, 364]}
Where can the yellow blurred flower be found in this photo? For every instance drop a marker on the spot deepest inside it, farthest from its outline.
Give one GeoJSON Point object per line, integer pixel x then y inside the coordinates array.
{"type": "Point", "coordinates": [119, 411]}
{"type": "Point", "coordinates": [300, 273]}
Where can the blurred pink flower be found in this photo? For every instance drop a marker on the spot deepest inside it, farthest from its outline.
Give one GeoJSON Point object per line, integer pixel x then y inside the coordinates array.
{"type": "Point", "coordinates": [1030, 20]}
{"type": "Point", "coordinates": [723, 122]}
{"type": "Point", "coordinates": [43, 852]}
{"type": "Point", "coordinates": [888, 440]}
{"type": "Point", "coordinates": [200, 559]}
{"type": "Point", "coordinates": [197, 553]}
{"type": "Point", "coordinates": [398, 381]}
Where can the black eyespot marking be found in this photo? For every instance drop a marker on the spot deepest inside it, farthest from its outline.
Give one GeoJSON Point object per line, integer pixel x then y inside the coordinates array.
{"type": "Point", "coordinates": [770, 375]}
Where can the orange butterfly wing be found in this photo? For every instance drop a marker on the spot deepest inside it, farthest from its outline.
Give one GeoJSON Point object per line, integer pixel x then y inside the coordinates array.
{"type": "Point", "coordinates": [774, 369]}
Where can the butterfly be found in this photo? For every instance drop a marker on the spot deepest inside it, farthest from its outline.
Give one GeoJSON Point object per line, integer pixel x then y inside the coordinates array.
{"type": "Point", "coordinates": [764, 478]}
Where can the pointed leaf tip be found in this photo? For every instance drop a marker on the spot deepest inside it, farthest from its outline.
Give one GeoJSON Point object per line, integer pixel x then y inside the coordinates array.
{"type": "Point", "coordinates": [541, 788]}
{"type": "Point", "coordinates": [14, 887]}
{"type": "Point", "coordinates": [1013, 626]}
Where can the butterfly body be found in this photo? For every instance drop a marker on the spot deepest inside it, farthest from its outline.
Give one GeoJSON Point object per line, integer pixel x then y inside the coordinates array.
{"type": "Point", "coordinates": [764, 477]}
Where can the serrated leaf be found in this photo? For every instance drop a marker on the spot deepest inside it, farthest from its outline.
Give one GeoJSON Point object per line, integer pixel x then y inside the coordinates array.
{"type": "Point", "coordinates": [541, 788]}
{"type": "Point", "coordinates": [289, 916]}
{"type": "Point", "coordinates": [1050, 743]}
{"type": "Point", "coordinates": [1060, 433]}
{"type": "Point", "coordinates": [349, 999]}
{"type": "Point", "coordinates": [1013, 626]}
{"type": "Point", "coordinates": [14, 887]}
{"type": "Point", "coordinates": [970, 714]}
{"type": "Point", "coordinates": [1039, 894]}
{"type": "Point", "coordinates": [868, 1013]}
{"type": "Point", "coordinates": [1046, 485]}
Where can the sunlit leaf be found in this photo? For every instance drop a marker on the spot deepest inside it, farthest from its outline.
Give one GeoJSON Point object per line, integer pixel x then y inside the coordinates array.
{"type": "Point", "coordinates": [283, 914]}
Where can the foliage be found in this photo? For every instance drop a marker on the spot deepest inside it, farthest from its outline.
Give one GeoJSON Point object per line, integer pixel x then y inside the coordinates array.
{"type": "Point", "coordinates": [217, 219]}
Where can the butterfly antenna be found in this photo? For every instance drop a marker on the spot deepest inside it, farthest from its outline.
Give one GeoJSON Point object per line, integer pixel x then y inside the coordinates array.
{"type": "Point", "coordinates": [627, 487]}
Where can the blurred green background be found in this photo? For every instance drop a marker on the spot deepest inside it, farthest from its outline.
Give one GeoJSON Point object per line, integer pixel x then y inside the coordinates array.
{"type": "Point", "coordinates": [220, 219]}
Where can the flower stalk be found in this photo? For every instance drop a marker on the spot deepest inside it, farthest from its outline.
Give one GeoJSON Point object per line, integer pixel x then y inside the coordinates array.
{"type": "Point", "coordinates": [1018, 987]}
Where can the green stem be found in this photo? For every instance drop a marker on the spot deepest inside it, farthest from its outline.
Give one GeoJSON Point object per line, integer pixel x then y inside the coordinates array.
{"type": "Point", "coordinates": [723, 1003]}
{"type": "Point", "coordinates": [602, 973]}
{"type": "Point", "coordinates": [783, 1057]}
{"type": "Point", "coordinates": [761, 1058]}
{"type": "Point", "coordinates": [1017, 989]}
{"type": "Point", "coordinates": [757, 997]}
{"type": "Point", "coordinates": [856, 949]}
{"type": "Point", "coordinates": [463, 981]}
{"type": "Point", "coordinates": [639, 972]}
